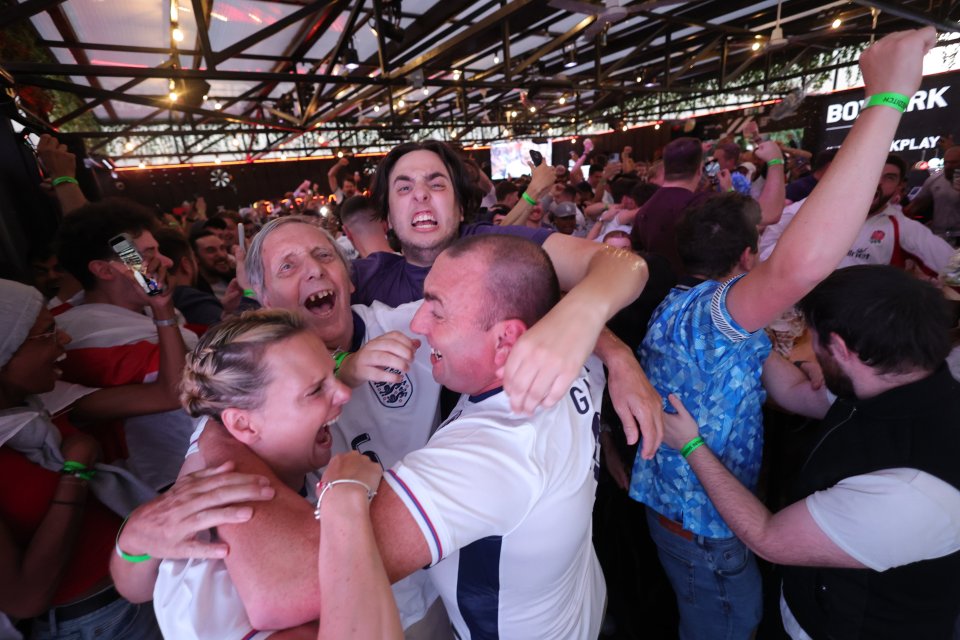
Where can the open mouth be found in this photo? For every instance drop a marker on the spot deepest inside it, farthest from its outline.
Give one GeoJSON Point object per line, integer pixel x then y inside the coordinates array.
{"type": "Point", "coordinates": [424, 221]}
{"type": "Point", "coordinates": [435, 356]}
{"type": "Point", "coordinates": [324, 439]}
{"type": "Point", "coordinates": [321, 302]}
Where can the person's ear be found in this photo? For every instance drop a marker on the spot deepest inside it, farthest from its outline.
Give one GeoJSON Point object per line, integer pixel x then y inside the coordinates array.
{"type": "Point", "coordinates": [238, 422]}
{"type": "Point", "coordinates": [102, 269]}
{"type": "Point", "coordinates": [507, 334]}
{"type": "Point", "coordinates": [838, 348]}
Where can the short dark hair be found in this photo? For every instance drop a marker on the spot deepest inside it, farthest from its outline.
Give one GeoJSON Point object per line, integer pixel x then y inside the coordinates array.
{"type": "Point", "coordinates": [520, 281]}
{"type": "Point", "coordinates": [85, 234]}
{"type": "Point", "coordinates": [196, 235]}
{"type": "Point", "coordinates": [215, 223]}
{"type": "Point", "coordinates": [505, 188]}
{"type": "Point", "coordinates": [622, 186]}
{"type": "Point", "coordinates": [894, 322]}
{"type": "Point", "coordinates": [466, 192]}
{"type": "Point", "coordinates": [642, 192]}
{"type": "Point", "coordinates": [711, 237]}
{"type": "Point", "coordinates": [730, 150]}
{"type": "Point", "coordinates": [353, 206]}
{"type": "Point", "coordinates": [174, 245]}
{"type": "Point", "coordinates": [899, 163]}
{"type": "Point", "coordinates": [682, 158]}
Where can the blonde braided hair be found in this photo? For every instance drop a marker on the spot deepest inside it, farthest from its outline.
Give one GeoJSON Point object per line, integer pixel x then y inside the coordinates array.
{"type": "Point", "coordinates": [226, 369]}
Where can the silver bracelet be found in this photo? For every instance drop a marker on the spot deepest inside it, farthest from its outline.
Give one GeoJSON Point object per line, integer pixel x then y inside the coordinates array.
{"type": "Point", "coordinates": [325, 486]}
{"type": "Point", "coordinates": [169, 322]}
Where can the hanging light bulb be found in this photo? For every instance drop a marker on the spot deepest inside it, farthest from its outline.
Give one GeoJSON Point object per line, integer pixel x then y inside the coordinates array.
{"type": "Point", "coordinates": [401, 103]}
{"type": "Point", "coordinates": [426, 91]}
{"type": "Point", "coordinates": [755, 46]}
{"type": "Point", "coordinates": [836, 23]}
{"type": "Point", "coordinates": [496, 57]}
{"type": "Point", "coordinates": [376, 108]}
{"type": "Point", "coordinates": [177, 34]}
{"type": "Point", "coordinates": [217, 106]}
{"type": "Point", "coordinates": [173, 96]}
{"type": "Point", "coordinates": [562, 100]}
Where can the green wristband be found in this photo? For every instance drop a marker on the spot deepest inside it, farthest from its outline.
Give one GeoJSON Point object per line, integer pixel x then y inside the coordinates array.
{"type": "Point", "coordinates": [338, 359]}
{"type": "Point", "coordinates": [774, 161]}
{"type": "Point", "coordinates": [123, 554]}
{"type": "Point", "coordinates": [250, 293]}
{"type": "Point", "coordinates": [78, 469]}
{"type": "Point", "coordinates": [63, 180]}
{"type": "Point", "coordinates": [896, 101]}
{"type": "Point", "coordinates": [526, 196]}
{"type": "Point", "coordinates": [692, 446]}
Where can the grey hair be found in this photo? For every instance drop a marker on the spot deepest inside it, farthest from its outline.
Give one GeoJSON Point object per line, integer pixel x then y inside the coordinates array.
{"type": "Point", "coordinates": [254, 260]}
{"type": "Point", "coordinates": [226, 369]}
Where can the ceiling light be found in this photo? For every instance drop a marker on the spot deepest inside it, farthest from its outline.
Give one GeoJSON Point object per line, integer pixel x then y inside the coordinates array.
{"type": "Point", "coordinates": [174, 12]}
{"type": "Point", "coordinates": [401, 103]}
{"type": "Point", "coordinates": [217, 106]}
{"type": "Point", "coordinates": [533, 109]}
{"type": "Point", "coordinates": [129, 146]}
{"type": "Point", "coordinates": [339, 154]}
{"type": "Point", "coordinates": [141, 165]}
{"type": "Point", "coordinates": [216, 161]}
{"type": "Point", "coordinates": [562, 100]}
{"type": "Point", "coordinates": [173, 96]}
{"type": "Point", "coordinates": [639, 79]}
{"type": "Point", "coordinates": [456, 74]}
{"type": "Point", "coordinates": [376, 108]}
{"type": "Point", "coordinates": [453, 134]}
{"type": "Point", "coordinates": [656, 127]}
{"type": "Point", "coordinates": [172, 84]}
{"type": "Point", "coordinates": [513, 114]}
{"type": "Point", "coordinates": [569, 56]}
{"type": "Point", "coordinates": [836, 23]}
{"type": "Point", "coordinates": [350, 58]}
{"type": "Point", "coordinates": [426, 91]}
{"type": "Point", "coordinates": [755, 46]}
{"type": "Point", "coordinates": [623, 128]}
{"type": "Point", "coordinates": [374, 32]}
{"type": "Point", "coordinates": [496, 58]}
{"type": "Point", "coordinates": [177, 34]}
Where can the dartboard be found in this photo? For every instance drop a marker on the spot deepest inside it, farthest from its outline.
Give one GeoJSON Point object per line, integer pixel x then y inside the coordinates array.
{"type": "Point", "coordinates": [220, 179]}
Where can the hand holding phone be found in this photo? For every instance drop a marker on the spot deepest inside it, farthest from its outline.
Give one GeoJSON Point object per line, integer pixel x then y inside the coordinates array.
{"type": "Point", "coordinates": [123, 246]}
{"type": "Point", "coordinates": [537, 157]}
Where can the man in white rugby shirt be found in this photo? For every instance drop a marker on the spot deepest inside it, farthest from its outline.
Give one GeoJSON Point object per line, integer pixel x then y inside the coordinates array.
{"type": "Point", "coordinates": [497, 504]}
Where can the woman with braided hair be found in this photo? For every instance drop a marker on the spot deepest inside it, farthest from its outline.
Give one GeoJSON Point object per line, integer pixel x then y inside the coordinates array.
{"type": "Point", "coordinates": [269, 380]}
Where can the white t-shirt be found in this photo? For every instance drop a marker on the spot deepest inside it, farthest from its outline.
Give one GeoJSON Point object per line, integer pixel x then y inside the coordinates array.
{"type": "Point", "coordinates": [504, 502]}
{"type": "Point", "coordinates": [885, 519]}
{"type": "Point", "coordinates": [875, 241]}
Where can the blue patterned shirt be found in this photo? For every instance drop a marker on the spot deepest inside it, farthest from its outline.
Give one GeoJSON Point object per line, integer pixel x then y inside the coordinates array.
{"type": "Point", "coordinates": [694, 349]}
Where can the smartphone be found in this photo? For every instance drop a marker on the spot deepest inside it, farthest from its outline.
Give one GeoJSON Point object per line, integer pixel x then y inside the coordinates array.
{"type": "Point", "coordinates": [123, 246]}
{"type": "Point", "coordinates": [241, 236]}
{"type": "Point", "coordinates": [614, 157]}
{"type": "Point", "coordinates": [537, 157]}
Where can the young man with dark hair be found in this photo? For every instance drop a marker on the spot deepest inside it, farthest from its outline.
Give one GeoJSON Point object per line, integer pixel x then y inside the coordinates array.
{"type": "Point", "coordinates": [216, 270]}
{"type": "Point", "coordinates": [507, 194]}
{"type": "Point", "coordinates": [727, 155]}
{"type": "Point", "coordinates": [114, 341]}
{"type": "Point", "coordinates": [870, 542]}
{"type": "Point", "coordinates": [197, 306]}
{"type": "Point", "coordinates": [424, 191]}
{"type": "Point", "coordinates": [801, 187]}
{"type": "Point", "coordinates": [707, 345]}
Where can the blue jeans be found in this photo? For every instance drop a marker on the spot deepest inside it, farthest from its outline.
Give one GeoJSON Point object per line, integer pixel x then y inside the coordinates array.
{"type": "Point", "coordinates": [716, 582]}
{"type": "Point", "coordinates": [119, 620]}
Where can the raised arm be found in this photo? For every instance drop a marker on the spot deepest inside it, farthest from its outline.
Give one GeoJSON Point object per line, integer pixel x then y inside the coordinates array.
{"type": "Point", "coordinates": [600, 280]}
{"type": "Point", "coordinates": [541, 179]}
{"type": "Point", "coordinates": [332, 176]}
{"type": "Point", "coordinates": [832, 215]}
{"type": "Point", "coordinates": [163, 394]}
{"type": "Point", "coordinates": [60, 163]}
{"type": "Point", "coordinates": [773, 195]}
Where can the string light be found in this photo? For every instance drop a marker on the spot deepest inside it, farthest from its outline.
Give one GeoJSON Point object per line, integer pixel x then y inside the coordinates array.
{"type": "Point", "coordinates": [173, 96]}
{"type": "Point", "coordinates": [755, 46]}
{"type": "Point", "coordinates": [836, 23]}
{"type": "Point", "coordinates": [562, 100]}
{"type": "Point", "coordinates": [177, 34]}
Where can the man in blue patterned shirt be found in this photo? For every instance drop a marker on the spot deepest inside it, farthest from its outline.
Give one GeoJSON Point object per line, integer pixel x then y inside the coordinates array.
{"type": "Point", "coordinates": [706, 345]}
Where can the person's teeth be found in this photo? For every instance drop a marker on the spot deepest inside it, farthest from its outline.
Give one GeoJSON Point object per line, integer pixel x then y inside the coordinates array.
{"type": "Point", "coordinates": [318, 296]}
{"type": "Point", "coordinates": [437, 354]}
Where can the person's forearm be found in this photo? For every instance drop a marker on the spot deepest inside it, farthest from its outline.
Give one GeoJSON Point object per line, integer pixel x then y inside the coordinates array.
{"type": "Point", "coordinates": [70, 197]}
{"type": "Point", "coordinates": [614, 278]}
{"type": "Point", "coordinates": [746, 516]}
{"type": "Point", "coordinates": [518, 215]}
{"type": "Point", "coordinates": [273, 556]}
{"type": "Point", "coordinates": [134, 580]}
{"type": "Point", "coordinates": [37, 573]}
{"type": "Point", "coordinates": [173, 354]}
{"type": "Point", "coordinates": [773, 196]}
{"type": "Point", "coordinates": [351, 571]}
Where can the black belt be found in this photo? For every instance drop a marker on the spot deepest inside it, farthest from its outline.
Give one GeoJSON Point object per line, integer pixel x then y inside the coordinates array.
{"type": "Point", "coordinates": [85, 606]}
